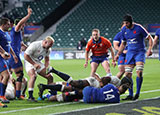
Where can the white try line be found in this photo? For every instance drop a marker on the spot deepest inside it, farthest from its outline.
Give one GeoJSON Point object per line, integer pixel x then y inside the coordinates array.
{"type": "Point", "coordinates": [41, 107]}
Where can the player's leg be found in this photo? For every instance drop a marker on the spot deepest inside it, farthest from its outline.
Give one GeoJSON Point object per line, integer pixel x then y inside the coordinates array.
{"type": "Point", "coordinates": [128, 73]}
{"type": "Point", "coordinates": [79, 83]}
{"type": "Point", "coordinates": [49, 77]}
{"type": "Point", "coordinates": [56, 87]}
{"type": "Point", "coordinates": [17, 68]}
{"type": "Point", "coordinates": [94, 67]}
{"type": "Point", "coordinates": [32, 75]}
{"type": "Point", "coordinates": [106, 66]}
{"type": "Point", "coordinates": [129, 66]}
{"type": "Point", "coordinates": [4, 76]}
{"type": "Point", "coordinates": [3, 85]}
{"type": "Point", "coordinates": [24, 87]}
{"type": "Point", "coordinates": [140, 60]}
{"type": "Point", "coordinates": [64, 76]}
{"type": "Point", "coordinates": [3, 105]}
{"type": "Point", "coordinates": [121, 67]}
{"type": "Point", "coordinates": [19, 74]}
{"type": "Point", "coordinates": [139, 79]}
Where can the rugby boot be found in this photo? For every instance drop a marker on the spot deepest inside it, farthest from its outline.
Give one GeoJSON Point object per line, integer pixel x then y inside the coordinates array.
{"type": "Point", "coordinates": [128, 98]}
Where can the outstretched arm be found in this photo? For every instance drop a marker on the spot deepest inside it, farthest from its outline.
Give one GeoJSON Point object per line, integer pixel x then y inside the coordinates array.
{"type": "Point", "coordinates": [23, 20]}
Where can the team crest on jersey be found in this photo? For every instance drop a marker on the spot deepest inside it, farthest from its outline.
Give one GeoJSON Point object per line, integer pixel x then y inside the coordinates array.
{"type": "Point", "coordinates": [125, 33]}
{"type": "Point", "coordinates": [101, 45]}
{"type": "Point", "coordinates": [134, 32]}
{"type": "Point", "coordinates": [93, 46]}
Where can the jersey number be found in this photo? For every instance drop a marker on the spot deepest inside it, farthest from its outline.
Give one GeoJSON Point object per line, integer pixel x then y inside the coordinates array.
{"type": "Point", "coordinates": [107, 94]}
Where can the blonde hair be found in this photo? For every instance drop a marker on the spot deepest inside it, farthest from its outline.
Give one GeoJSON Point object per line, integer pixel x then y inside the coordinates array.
{"type": "Point", "coordinates": [96, 30]}
{"type": "Point", "coordinates": [49, 38]}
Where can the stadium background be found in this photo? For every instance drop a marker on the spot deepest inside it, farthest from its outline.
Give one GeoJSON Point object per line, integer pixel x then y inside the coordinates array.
{"type": "Point", "coordinates": [68, 21]}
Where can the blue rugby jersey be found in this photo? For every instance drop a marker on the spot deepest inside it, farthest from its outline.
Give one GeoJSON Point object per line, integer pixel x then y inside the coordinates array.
{"type": "Point", "coordinates": [135, 37]}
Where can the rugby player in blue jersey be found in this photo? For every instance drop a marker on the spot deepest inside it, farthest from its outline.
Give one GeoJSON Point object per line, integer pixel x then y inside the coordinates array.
{"type": "Point", "coordinates": [116, 43]}
{"type": "Point", "coordinates": [108, 94]}
{"type": "Point", "coordinates": [157, 36]}
{"type": "Point", "coordinates": [134, 36]}
{"type": "Point", "coordinates": [16, 43]}
{"type": "Point", "coordinates": [5, 50]}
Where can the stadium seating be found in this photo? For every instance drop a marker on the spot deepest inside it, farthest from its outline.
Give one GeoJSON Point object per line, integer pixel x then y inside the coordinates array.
{"type": "Point", "coordinates": [105, 15]}
{"type": "Point", "coordinates": [41, 8]}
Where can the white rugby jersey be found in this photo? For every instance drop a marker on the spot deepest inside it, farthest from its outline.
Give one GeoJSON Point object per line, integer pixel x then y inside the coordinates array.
{"type": "Point", "coordinates": [115, 81]}
{"type": "Point", "coordinates": [93, 82]}
{"type": "Point", "coordinates": [36, 51]}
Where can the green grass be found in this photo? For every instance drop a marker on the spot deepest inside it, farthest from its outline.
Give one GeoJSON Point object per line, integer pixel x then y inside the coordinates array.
{"type": "Point", "coordinates": [75, 69]}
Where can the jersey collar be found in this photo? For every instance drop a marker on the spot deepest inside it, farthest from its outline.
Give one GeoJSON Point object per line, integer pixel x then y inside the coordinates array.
{"type": "Point", "coordinates": [95, 42]}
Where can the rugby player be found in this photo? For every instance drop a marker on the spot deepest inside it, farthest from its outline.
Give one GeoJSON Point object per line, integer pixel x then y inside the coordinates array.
{"type": "Point", "coordinates": [16, 43]}
{"type": "Point", "coordinates": [5, 50]}
{"type": "Point", "coordinates": [156, 37]}
{"type": "Point", "coordinates": [99, 47]}
{"type": "Point", "coordinates": [33, 55]}
{"type": "Point", "coordinates": [116, 43]}
{"type": "Point", "coordinates": [134, 36]}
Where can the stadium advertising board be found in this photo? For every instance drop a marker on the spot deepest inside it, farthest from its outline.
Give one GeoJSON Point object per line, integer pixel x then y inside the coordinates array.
{"type": "Point", "coordinates": [56, 55]}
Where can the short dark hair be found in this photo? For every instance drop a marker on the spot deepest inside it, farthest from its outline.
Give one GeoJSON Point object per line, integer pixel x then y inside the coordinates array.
{"type": "Point", "coordinates": [3, 21]}
{"type": "Point", "coordinates": [128, 18]}
{"type": "Point", "coordinates": [126, 80]}
{"type": "Point", "coordinates": [124, 88]}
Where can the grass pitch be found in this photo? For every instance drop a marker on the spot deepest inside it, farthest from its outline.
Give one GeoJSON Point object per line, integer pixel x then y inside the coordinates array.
{"type": "Point", "coordinates": [150, 88]}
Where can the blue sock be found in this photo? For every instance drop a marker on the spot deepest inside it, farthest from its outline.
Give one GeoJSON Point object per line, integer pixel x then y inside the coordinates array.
{"type": "Point", "coordinates": [3, 89]}
{"type": "Point", "coordinates": [0, 88]}
{"type": "Point", "coordinates": [139, 81]}
{"type": "Point", "coordinates": [131, 89]}
{"type": "Point", "coordinates": [18, 93]}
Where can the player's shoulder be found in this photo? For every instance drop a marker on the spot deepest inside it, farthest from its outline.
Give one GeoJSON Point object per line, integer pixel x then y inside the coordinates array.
{"type": "Point", "coordinates": [158, 30]}
{"type": "Point", "coordinates": [138, 25]}
{"type": "Point", "coordinates": [36, 44]}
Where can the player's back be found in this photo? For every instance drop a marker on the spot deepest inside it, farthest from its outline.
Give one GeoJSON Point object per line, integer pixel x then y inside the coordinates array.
{"type": "Point", "coordinates": [16, 38]}
{"type": "Point", "coordinates": [5, 41]}
{"type": "Point", "coordinates": [107, 94]}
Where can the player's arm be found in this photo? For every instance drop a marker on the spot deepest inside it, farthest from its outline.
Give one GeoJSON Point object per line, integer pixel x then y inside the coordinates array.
{"type": "Point", "coordinates": [14, 55]}
{"type": "Point", "coordinates": [112, 54]}
{"type": "Point", "coordinates": [4, 54]}
{"type": "Point", "coordinates": [86, 58]}
{"type": "Point", "coordinates": [155, 40]}
{"type": "Point", "coordinates": [29, 59]}
{"type": "Point", "coordinates": [149, 52]}
{"type": "Point", "coordinates": [87, 53]}
{"type": "Point", "coordinates": [116, 45]}
{"type": "Point", "coordinates": [121, 48]}
{"type": "Point", "coordinates": [23, 46]}
{"type": "Point", "coordinates": [46, 61]}
{"type": "Point", "coordinates": [23, 20]}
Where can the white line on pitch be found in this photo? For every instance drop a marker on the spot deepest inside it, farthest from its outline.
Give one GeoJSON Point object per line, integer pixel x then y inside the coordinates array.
{"type": "Point", "coordinates": [41, 107]}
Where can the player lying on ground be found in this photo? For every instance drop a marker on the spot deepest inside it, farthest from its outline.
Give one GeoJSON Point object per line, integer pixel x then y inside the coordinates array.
{"type": "Point", "coordinates": [78, 84]}
{"type": "Point", "coordinates": [11, 89]}
{"type": "Point", "coordinates": [108, 94]}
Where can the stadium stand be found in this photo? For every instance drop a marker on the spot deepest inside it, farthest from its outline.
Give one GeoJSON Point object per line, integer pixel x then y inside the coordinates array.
{"type": "Point", "coordinates": [41, 8]}
{"type": "Point", "coordinates": [105, 15]}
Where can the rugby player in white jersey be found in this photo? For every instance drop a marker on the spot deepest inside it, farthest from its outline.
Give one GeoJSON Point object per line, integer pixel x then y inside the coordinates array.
{"type": "Point", "coordinates": [33, 55]}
